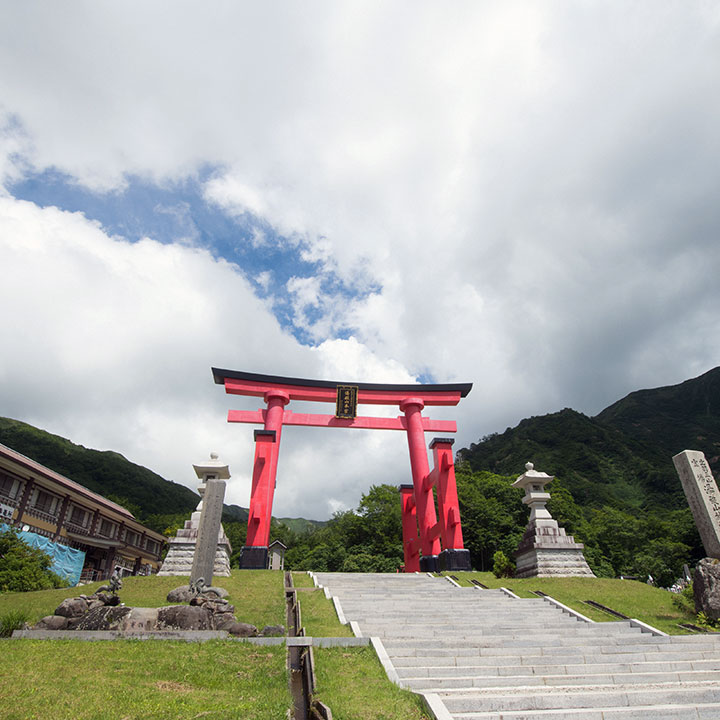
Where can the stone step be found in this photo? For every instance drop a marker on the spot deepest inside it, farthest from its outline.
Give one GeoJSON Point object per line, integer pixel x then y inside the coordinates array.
{"type": "Point", "coordinates": [706, 711]}
{"type": "Point", "coordinates": [567, 697]}
{"type": "Point", "coordinates": [590, 642]}
{"type": "Point", "coordinates": [629, 637]}
{"type": "Point", "coordinates": [520, 672]}
{"type": "Point", "coordinates": [502, 658]}
{"type": "Point", "coordinates": [487, 655]}
{"type": "Point", "coordinates": [612, 644]}
{"type": "Point", "coordinates": [437, 684]}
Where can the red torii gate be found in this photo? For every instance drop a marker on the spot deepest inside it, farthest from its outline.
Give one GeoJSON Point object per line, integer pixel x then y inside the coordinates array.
{"type": "Point", "coordinates": [418, 506]}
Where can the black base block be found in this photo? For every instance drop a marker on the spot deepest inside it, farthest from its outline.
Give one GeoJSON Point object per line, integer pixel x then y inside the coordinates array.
{"type": "Point", "coordinates": [454, 560]}
{"type": "Point", "coordinates": [428, 563]}
{"type": "Point", "coordinates": [254, 558]}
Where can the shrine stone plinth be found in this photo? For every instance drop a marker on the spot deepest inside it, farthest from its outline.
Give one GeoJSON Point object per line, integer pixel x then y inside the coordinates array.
{"type": "Point", "coordinates": [545, 549]}
{"type": "Point", "coordinates": [182, 547]}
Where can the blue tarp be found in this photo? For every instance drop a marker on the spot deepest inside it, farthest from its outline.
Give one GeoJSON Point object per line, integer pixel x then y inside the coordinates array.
{"type": "Point", "coordinates": [67, 562]}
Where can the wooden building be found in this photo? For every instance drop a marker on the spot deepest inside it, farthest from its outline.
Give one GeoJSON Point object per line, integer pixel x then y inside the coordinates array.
{"type": "Point", "coordinates": [35, 498]}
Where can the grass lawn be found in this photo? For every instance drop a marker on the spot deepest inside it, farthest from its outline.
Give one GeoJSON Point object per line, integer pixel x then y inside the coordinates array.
{"type": "Point", "coordinates": [256, 594]}
{"type": "Point", "coordinates": [319, 617]}
{"type": "Point", "coordinates": [302, 579]}
{"type": "Point", "coordinates": [634, 599]}
{"type": "Point", "coordinates": [129, 679]}
{"type": "Point", "coordinates": [353, 684]}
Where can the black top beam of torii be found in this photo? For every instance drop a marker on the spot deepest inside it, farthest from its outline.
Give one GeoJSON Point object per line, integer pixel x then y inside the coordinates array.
{"type": "Point", "coordinates": [255, 378]}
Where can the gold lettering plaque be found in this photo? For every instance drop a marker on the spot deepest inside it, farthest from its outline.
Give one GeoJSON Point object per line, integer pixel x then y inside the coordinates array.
{"type": "Point", "coordinates": [346, 402]}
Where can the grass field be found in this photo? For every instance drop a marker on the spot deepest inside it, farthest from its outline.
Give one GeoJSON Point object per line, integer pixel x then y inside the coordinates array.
{"type": "Point", "coordinates": [134, 679]}
{"type": "Point", "coordinates": [632, 598]}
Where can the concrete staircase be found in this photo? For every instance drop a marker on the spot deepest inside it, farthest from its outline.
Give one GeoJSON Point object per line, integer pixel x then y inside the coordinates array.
{"type": "Point", "coordinates": [483, 654]}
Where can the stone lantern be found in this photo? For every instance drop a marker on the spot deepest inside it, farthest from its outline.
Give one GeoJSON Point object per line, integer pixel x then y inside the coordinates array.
{"type": "Point", "coordinates": [533, 482]}
{"type": "Point", "coordinates": [545, 549]}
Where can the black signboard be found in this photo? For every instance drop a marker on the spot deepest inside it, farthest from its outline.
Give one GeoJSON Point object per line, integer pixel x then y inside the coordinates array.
{"type": "Point", "coordinates": [346, 402]}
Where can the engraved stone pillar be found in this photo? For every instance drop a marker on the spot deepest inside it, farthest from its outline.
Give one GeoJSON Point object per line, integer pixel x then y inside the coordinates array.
{"type": "Point", "coordinates": [702, 496]}
{"type": "Point", "coordinates": [207, 539]}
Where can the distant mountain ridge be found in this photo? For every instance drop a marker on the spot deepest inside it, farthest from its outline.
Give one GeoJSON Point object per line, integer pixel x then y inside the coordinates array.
{"type": "Point", "coordinates": [623, 455]}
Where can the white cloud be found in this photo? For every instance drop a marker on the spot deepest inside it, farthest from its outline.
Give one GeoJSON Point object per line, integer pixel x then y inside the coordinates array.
{"type": "Point", "coordinates": [529, 188]}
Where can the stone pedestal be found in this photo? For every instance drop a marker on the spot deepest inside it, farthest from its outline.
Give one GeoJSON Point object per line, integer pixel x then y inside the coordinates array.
{"type": "Point", "coordinates": [545, 549]}
{"type": "Point", "coordinates": [450, 560]}
{"type": "Point", "coordinates": [254, 558]}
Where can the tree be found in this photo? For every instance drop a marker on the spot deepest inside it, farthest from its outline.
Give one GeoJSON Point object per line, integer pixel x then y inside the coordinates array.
{"type": "Point", "coordinates": [24, 568]}
{"type": "Point", "coordinates": [663, 559]}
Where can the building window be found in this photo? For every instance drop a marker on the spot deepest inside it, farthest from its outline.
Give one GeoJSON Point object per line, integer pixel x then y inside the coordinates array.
{"type": "Point", "coordinates": [78, 516]}
{"type": "Point", "coordinates": [152, 546]}
{"type": "Point", "coordinates": [44, 502]}
{"type": "Point", "coordinates": [7, 486]}
{"type": "Point", "coordinates": [107, 529]}
{"type": "Point", "coordinates": [131, 538]}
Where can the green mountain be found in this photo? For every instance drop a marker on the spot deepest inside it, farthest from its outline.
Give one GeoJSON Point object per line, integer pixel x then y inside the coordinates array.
{"type": "Point", "coordinates": [671, 419]}
{"type": "Point", "coordinates": [622, 457]}
{"type": "Point", "coordinates": [105, 472]}
{"type": "Point", "coordinates": [301, 526]}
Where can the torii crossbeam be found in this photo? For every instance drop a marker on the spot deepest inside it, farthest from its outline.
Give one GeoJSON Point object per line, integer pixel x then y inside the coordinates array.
{"type": "Point", "coordinates": [418, 506]}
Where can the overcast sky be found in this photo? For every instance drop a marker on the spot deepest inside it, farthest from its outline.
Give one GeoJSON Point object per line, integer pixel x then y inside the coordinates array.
{"type": "Point", "coordinates": [521, 195]}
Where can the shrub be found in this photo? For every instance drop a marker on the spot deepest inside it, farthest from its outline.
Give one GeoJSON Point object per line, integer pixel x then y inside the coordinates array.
{"type": "Point", "coordinates": [23, 567]}
{"type": "Point", "coordinates": [684, 600]}
{"type": "Point", "coordinates": [13, 620]}
{"type": "Point", "coordinates": [503, 566]}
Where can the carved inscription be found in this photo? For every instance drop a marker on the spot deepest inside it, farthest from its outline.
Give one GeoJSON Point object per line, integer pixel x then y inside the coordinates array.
{"type": "Point", "coordinates": [346, 402]}
{"type": "Point", "coordinates": [703, 497]}
{"type": "Point", "coordinates": [207, 539]}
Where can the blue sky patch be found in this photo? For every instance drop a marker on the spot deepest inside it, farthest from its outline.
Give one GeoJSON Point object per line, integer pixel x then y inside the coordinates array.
{"type": "Point", "coordinates": [177, 212]}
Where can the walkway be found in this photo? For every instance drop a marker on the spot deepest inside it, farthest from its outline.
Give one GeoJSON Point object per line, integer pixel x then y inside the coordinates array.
{"type": "Point", "coordinates": [481, 654]}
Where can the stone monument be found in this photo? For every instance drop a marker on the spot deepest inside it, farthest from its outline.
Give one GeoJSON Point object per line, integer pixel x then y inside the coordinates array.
{"type": "Point", "coordinates": [703, 497]}
{"type": "Point", "coordinates": [545, 549]}
{"type": "Point", "coordinates": [183, 547]}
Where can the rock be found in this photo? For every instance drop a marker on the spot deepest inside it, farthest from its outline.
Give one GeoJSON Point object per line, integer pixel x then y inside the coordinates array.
{"type": "Point", "coordinates": [272, 630]}
{"type": "Point", "coordinates": [95, 603]}
{"type": "Point", "coordinates": [106, 599]}
{"type": "Point", "coordinates": [242, 630]}
{"type": "Point", "coordinates": [184, 617]}
{"type": "Point", "coordinates": [180, 594]}
{"type": "Point", "coordinates": [52, 622]}
{"type": "Point", "coordinates": [100, 618]}
{"type": "Point", "coordinates": [706, 588]}
{"type": "Point", "coordinates": [72, 607]}
{"type": "Point", "coordinates": [223, 621]}
{"type": "Point", "coordinates": [139, 620]}
{"type": "Point", "coordinates": [214, 606]}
